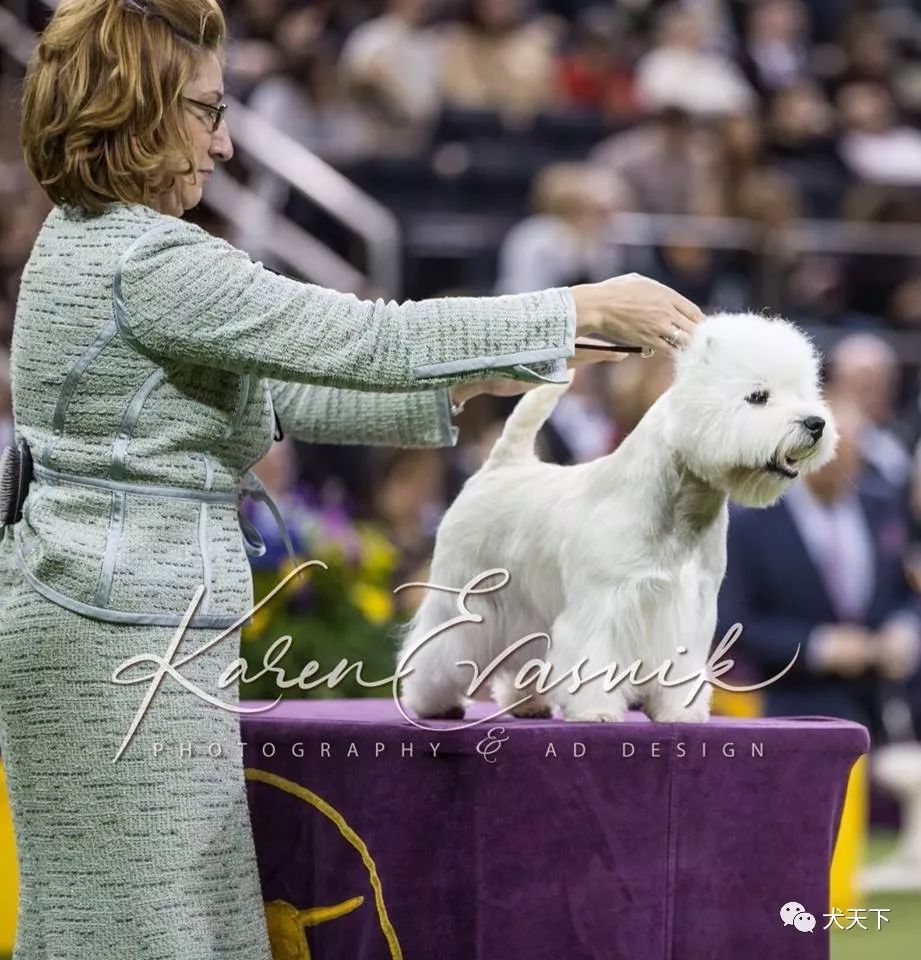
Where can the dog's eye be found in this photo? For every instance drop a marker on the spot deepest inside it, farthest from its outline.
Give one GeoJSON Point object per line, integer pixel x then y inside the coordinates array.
{"type": "Point", "coordinates": [759, 397]}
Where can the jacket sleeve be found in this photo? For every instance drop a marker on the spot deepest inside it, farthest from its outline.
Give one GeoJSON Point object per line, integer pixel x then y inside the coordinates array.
{"type": "Point", "coordinates": [181, 293]}
{"type": "Point", "coordinates": [317, 414]}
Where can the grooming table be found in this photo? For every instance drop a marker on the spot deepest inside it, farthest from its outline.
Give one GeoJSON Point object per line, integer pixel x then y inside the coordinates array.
{"type": "Point", "coordinates": [567, 841]}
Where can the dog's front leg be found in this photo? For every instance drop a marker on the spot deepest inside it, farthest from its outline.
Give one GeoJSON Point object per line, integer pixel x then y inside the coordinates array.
{"type": "Point", "coordinates": [580, 636]}
{"type": "Point", "coordinates": [685, 620]}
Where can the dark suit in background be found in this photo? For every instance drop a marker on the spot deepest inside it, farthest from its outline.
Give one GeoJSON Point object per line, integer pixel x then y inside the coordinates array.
{"type": "Point", "coordinates": [777, 588]}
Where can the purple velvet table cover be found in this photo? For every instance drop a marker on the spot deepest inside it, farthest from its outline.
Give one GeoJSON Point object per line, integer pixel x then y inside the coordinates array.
{"type": "Point", "coordinates": [630, 851]}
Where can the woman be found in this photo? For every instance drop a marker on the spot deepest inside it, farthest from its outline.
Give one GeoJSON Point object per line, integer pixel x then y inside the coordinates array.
{"type": "Point", "coordinates": [148, 358]}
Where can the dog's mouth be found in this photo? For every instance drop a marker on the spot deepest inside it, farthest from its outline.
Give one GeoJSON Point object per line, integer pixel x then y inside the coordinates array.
{"type": "Point", "coordinates": [786, 467]}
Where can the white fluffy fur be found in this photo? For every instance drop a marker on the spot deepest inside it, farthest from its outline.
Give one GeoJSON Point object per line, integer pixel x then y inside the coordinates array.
{"type": "Point", "coordinates": [619, 559]}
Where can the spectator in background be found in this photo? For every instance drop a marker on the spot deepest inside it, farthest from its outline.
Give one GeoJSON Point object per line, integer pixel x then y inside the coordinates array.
{"type": "Point", "coordinates": [563, 241]}
{"type": "Point", "coordinates": [256, 19]}
{"type": "Point", "coordinates": [305, 101]}
{"type": "Point", "coordinates": [876, 145]}
{"type": "Point", "coordinates": [822, 572]}
{"type": "Point", "coordinates": [252, 54]}
{"type": "Point", "coordinates": [498, 58]}
{"type": "Point", "coordinates": [739, 152]}
{"type": "Point", "coordinates": [689, 264]}
{"type": "Point", "coordinates": [574, 203]}
{"type": "Point", "coordinates": [390, 65]}
{"type": "Point", "coordinates": [679, 72]}
{"type": "Point", "coordinates": [667, 162]}
{"type": "Point", "coordinates": [776, 44]}
{"type": "Point", "coordinates": [864, 371]}
{"type": "Point", "coordinates": [768, 199]}
{"type": "Point", "coordinates": [801, 143]}
{"type": "Point", "coordinates": [905, 303]}
{"type": "Point", "coordinates": [632, 388]}
{"type": "Point", "coordinates": [596, 72]}
{"type": "Point", "coordinates": [742, 185]}
{"type": "Point", "coordinates": [874, 277]}
{"type": "Point", "coordinates": [869, 51]}
{"type": "Point", "coordinates": [580, 428]}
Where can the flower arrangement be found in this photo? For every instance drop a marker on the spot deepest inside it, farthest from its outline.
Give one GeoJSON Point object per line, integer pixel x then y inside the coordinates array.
{"type": "Point", "coordinates": [345, 612]}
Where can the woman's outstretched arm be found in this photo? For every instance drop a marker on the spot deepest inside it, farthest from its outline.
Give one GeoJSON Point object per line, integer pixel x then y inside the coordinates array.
{"type": "Point", "coordinates": [181, 293]}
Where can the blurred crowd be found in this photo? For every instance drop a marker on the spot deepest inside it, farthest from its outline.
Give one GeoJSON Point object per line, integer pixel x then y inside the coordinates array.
{"type": "Point", "coordinates": [512, 140]}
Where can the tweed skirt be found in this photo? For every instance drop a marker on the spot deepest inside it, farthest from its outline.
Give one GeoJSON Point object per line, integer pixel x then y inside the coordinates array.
{"type": "Point", "coordinates": [150, 857]}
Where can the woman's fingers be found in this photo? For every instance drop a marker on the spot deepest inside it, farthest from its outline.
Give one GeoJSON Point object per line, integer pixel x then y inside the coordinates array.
{"type": "Point", "coordinates": [687, 309]}
{"type": "Point", "coordinates": [674, 337]}
{"type": "Point", "coordinates": [636, 309]}
{"type": "Point", "coordinates": [683, 323]}
{"type": "Point", "coordinates": [683, 320]}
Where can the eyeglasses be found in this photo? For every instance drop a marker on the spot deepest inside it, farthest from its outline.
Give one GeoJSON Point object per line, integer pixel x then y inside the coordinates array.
{"type": "Point", "coordinates": [216, 113]}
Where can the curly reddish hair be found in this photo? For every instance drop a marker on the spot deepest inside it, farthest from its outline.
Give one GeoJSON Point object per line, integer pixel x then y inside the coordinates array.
{"type": "Point", "coordinates": [102, 116]}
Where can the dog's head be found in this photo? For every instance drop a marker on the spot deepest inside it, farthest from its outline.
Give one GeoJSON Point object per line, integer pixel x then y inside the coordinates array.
{"type": "Point", "coordinates": [747, 413]}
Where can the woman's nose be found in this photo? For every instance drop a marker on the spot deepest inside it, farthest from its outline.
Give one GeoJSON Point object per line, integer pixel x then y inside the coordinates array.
{"type": "Point", "coordinates": [221, 146]}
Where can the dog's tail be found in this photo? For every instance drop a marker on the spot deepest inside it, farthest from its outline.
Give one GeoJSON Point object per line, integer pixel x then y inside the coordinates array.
{"type": "Point", "coordinates": [516, 442]}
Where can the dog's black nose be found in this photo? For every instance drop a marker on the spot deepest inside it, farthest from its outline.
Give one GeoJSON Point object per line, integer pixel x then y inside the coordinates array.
{"type": "Point", "coordinates": [815, 425]}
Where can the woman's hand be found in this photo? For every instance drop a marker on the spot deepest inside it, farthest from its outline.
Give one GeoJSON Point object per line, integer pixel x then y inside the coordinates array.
{"type": "Point", "coordinates": [507, 387]}
{"type": "Point", "coordinates": [637, 310]}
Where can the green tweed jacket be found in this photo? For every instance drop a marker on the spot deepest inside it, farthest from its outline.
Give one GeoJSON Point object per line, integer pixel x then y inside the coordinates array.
{"type": "Point", "coordinates": [149, 362]}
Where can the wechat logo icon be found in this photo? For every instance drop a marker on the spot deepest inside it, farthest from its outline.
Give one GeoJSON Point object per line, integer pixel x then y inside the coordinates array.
{"type": "Point", "coordinates": [795, 914]}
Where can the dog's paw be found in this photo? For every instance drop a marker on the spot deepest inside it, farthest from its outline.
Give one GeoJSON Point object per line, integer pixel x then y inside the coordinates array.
{"type": "Point", "coordinates": [591, 716]}
{"type": "Point", "coordinates": [452, 713]}
{"type": "Point", "coordinates": [532, 711]}
{"type": "Point", "coordinates": [679, 714]}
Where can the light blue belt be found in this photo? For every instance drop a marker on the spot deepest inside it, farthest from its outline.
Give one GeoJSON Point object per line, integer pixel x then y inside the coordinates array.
{"type": "Point", "coordinates": [250, 486]}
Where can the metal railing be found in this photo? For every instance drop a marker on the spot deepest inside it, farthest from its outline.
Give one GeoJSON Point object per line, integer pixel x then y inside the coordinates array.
{"type": "Point", "coordinates": [806, 236]}
{"type": "Point", "coordinates": [304, 171]}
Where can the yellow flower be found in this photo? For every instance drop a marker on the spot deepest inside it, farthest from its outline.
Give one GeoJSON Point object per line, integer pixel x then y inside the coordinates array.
{"type": "Point", "coordinates": [260, 620]}
{"type": "Point", "coordinates": [379, 556]}
{"type": "Point", "coordinates": [375, 604]}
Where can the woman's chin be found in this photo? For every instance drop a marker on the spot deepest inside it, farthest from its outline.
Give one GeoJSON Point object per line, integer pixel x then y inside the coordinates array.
{"type": "Point", "coordinates": [191, 198]}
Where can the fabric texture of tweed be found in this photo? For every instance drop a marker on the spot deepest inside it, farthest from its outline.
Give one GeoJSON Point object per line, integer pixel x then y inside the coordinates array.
{"type": "Point", "coordinates": [149, 362]}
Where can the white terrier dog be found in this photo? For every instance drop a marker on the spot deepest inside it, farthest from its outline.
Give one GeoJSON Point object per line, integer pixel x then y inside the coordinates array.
{"type": "Point", "coordinates": [618, 560]}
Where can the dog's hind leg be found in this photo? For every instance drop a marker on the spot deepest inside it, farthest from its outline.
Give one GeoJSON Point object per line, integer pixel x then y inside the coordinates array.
{"type": "Point", "coordinates": [436, 687]}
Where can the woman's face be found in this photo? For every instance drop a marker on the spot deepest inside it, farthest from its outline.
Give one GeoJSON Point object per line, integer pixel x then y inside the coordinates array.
{"type": "Point", "coordinates": [208, 147]}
